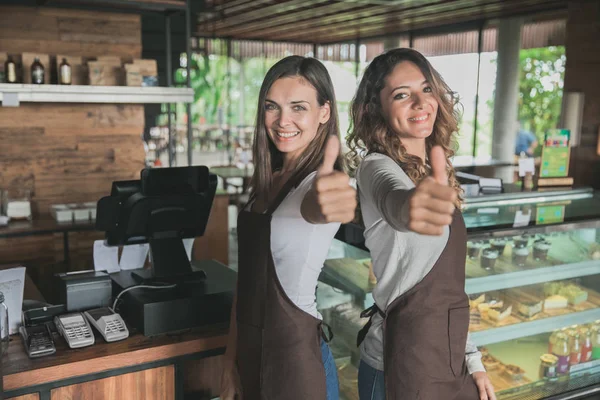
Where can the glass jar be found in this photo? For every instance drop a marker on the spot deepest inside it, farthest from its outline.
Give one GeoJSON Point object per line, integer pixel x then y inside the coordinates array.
{"type": "Point", "coordinates": [548, 366]}
{"type": "Point", "coordinates": [4, 331]}
{"type": "Point", "coordinates": [561, 350]}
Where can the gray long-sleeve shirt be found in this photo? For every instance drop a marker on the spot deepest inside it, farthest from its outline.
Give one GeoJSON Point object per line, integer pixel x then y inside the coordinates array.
{"type": "Point", "coordinates": [401, 258]}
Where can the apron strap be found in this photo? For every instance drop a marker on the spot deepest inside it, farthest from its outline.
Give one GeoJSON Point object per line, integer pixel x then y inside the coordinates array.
{"type": "Point", "coordinates": [327, 336]}
{"type": "Point", "coordinates": [368, 313]}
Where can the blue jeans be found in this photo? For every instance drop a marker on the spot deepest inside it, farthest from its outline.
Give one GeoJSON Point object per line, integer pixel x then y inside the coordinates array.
{"type": "Point", "coordinates": [371, 385]}
{"type": "Point", "coordinates": [331, 377]}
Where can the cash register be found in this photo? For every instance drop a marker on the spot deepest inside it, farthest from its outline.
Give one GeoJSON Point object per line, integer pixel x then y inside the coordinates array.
{"type": "Point", "coordinates": [163, 207]}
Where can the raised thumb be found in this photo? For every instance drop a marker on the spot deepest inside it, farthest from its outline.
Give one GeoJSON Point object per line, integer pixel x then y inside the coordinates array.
{"type": "Point", "coordinates": [332, 151]}
{"type": "Point", "coordinates": [437, 158]}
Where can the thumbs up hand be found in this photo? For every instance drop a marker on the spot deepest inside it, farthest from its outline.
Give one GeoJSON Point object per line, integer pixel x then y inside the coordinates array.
{"type": "Point", "coordinates": [331, 199]}
{"type": "Point", "coordinates": [431, 205]}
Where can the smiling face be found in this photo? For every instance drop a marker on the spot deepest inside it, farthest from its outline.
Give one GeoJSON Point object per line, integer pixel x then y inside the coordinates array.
{"type": "Point", "coordinates": [293, 115]}
{"type": "Point", "coordinates": [408, 103]}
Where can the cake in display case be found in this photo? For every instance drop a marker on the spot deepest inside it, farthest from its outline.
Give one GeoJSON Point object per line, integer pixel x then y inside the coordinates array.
{"type": "Point", "coordinates": [533, 280]}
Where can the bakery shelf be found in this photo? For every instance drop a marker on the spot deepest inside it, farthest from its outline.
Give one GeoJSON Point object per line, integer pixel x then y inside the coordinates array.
{"type": "Point", "coordinates": [531, 276]}
{"type": "Point", "coordinates": [96, 94]}
{"type": "Point", "coordinates": [526, 354]}
{"type": "Point", "coordinates": [515, 331]}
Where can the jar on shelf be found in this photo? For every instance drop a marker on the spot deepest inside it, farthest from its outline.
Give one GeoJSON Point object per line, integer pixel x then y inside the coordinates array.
{"type": "Point", "coordinates": [548, 365]}
{"type": "Point", "coordinates": [561, 350]}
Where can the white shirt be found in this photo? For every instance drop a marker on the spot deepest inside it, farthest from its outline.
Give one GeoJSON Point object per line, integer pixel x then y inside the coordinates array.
{"type": "Point", "coordinates": [401, 258]}
{"type": "Point", "coordinates": [299, 248]}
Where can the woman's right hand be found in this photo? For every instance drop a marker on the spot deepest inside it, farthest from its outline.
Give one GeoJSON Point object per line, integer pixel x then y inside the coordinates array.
{"type": "Point", "coordinates": [432, 203]}
{"type": "Point", "coordinates": [231, 388]}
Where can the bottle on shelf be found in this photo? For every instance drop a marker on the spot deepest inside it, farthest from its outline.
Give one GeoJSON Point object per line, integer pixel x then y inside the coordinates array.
{"type": "Point", "coordinates": [10, 70]}
{"type": "Point", "coordinates": [574, 347]}
{"type": "Point", "coordinates": [64, 73]}
{"type": "Point", "coordinates": [595, 328]}
{"type": "Point", "coordinates": [560, 349]}
{"type": "Point", "coordinates": [585, 337]}
{"type": "Point", "coordinates": [552, 340]}
{"type": "Point", "coordinates": [37, 72]}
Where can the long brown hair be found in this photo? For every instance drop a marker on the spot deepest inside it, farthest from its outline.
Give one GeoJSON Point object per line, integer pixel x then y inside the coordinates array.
{"type": "Point", "coordinates": [267, 158]}
{"type": "Point", "coordinates": [370, 133]}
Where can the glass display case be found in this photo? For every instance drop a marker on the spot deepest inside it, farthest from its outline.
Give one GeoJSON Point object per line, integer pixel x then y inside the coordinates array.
{"type": "Point", "coordinates": [533, 279]}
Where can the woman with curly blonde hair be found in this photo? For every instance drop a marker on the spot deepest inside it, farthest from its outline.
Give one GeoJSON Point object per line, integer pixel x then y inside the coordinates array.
{"type": "Point", "coordinates": [415, 345]}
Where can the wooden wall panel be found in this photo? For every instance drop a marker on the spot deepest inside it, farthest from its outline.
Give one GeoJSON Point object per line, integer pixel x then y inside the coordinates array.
{"type": "Point", "coordinates": [31, 396]}
{"type": "Point", "coordinates": [69, 32]}
{"type": "Point", "coordinates": [150, 384]}
{"type": "Point", "coordinates": [73, 152]}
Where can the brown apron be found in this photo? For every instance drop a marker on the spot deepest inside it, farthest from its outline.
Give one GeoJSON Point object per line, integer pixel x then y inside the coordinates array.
{"type": "Point", "coordinates": [425, 331]}
{"type": "Point", "coordinates": [278, 344]}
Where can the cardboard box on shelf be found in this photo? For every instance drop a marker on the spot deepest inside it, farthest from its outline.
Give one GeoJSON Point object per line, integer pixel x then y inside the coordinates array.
{"type": "Point", "coordinates": [105, 73]}
{"type": "Point", "coordinates": [28, 58]}
{"type": "Point", "coordinates": [133, 76]}
{"type": "Point", "coordinates": [147, 67]}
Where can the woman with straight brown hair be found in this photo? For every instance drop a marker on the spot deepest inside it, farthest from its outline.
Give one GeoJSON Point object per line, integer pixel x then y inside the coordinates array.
{"type": "Point", "coordinates": [415, 345]}
{"type": "Point", "coordinates": [299, 196]}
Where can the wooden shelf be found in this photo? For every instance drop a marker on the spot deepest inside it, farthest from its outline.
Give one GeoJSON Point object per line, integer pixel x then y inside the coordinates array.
{"type": "Point", "coordinates": [95, 94]}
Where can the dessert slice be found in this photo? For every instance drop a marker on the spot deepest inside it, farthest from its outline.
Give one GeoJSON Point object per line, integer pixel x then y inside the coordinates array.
{"type": "Point", "coordinates": [574, 294]}
{"type": "Point", "coordinates": [555, 302]}
{"type": "Point", "coordinates": [525, 302]}
{"type": "Point", "coordinates": [499, 314]}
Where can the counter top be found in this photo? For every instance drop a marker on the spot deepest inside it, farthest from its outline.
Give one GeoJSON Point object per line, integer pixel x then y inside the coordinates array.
{"type": "Point", "coordinates": [21, 371]}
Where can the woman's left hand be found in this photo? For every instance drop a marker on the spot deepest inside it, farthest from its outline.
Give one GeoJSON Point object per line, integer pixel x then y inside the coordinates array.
{"type": "Point", "coordinates": [484, 386]}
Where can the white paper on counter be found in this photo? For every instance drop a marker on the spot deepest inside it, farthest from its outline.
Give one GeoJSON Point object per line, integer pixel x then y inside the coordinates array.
{"type": "Point", "coordinates": [188, 244]}
{"type": "Point", "coordinates": [134, 256]}
{"type": "Point", "coordinates": [12, 283]}
{"type": "Point", "coordinates": [522, 219]}
{"type": "Point", "coordinates": [106, 258]}
{"type": "Point", "coordinates": [526, 165]}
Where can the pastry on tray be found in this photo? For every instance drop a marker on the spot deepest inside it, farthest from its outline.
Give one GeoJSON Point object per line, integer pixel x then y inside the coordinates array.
{"type": "Point", "coordinates": [476, 299]}
{"type": "Point", "coordinates": [574, 294]}
{"type": "Point", "coordinates": [552, 288]}
{"type": "Point", "coordinates": [489, 362]}
{"type": "Point", "coordinates": [499, 314]}
{"type": "Point", "coordinates": [524, 302]}
{"type": "Point", "coordinates": [514, 372]}
{"type": "Point", "coordinates": [474, 317]}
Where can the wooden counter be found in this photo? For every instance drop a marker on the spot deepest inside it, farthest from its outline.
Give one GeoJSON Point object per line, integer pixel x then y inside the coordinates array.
{"type": "Point", "coordinates": [168, 367]}
{"type": "Point", "coordinates": [157, 364]}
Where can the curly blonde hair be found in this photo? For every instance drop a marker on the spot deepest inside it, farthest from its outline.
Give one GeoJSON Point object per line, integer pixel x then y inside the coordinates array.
{"type": "Point", "coordinates": [370, 133]}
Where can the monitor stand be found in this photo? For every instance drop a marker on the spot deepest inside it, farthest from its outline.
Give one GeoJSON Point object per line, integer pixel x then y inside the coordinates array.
{"type": "Point", "coordinates": [170, 265]}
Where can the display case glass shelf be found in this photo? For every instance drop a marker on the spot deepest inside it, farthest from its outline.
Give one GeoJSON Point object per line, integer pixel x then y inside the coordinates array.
{"type": "Point", "coordinates": [532, 272]}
